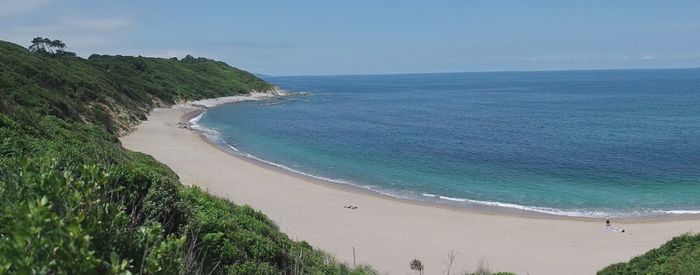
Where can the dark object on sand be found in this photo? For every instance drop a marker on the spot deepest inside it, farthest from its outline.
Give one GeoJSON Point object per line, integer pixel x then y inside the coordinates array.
{"type": "Point", "coordinates": [417, 265]}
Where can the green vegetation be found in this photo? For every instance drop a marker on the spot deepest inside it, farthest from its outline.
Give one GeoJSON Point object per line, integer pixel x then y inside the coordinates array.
{"type": "Point", "coordinates": [681, 255]}
{"type": "Point", "coordinates": [49, 47]}
{"type": "Point", "coordinates": [113, 92]}
{"type": "Point", "coordinates": [75, 202]}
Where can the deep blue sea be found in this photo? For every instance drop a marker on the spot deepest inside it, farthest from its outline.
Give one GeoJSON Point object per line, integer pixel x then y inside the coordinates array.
{"type": "Point", "coordinates": [580, 143]}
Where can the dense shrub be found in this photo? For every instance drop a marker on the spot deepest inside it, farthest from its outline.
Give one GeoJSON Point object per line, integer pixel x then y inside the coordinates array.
{"type": "Point", "coordinates": [681, 255]}
{"type": "Point", "coordinates": [245, 240]}
{"type": "Point", "coordinates": [54, 220]}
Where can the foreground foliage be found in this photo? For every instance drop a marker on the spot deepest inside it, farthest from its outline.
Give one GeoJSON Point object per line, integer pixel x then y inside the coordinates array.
{"type": "Point", "coordinates": [681, 255]}
{"type": "Point", "coordinates": [75, 202]}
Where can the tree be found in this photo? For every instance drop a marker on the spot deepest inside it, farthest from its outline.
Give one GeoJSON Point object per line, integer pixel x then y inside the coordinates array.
{"type": "Point", "coordinates": [51, 47]}
{"type": "Point", "coordinates": [58, 45]}
{"type": "Point", "coordinates": [38, 45]}
{"type": "Point", "coordinates": [47, 44]}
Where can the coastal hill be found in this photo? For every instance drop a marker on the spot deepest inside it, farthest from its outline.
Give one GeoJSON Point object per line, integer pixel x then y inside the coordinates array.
{"type": "Point", "coordinates": [114, 92]}
{"type": "Point", "coordinates": [75, 201]}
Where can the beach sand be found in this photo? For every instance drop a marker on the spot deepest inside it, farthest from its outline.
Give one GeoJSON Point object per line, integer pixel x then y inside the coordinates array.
{"type": "Point", "coordinates": [388, 233]}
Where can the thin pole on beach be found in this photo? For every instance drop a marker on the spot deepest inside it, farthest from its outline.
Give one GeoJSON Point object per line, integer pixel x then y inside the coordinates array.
{"type": "Point", "coordinates": [353, 256]}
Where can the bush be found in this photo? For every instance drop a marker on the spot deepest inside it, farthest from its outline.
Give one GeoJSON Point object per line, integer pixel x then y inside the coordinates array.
{"type": "Point", "coordinates": [60, 221]}
{"type": "Point", "coordinates": [242, 238]}
{"type": "Point", "coordinates": [680, 255]}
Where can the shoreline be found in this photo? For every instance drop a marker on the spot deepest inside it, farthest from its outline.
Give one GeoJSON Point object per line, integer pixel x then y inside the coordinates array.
{"type": "Point", "coordinates": [186, 118]}
{"type": "Point", "coordinates": [388, 232]}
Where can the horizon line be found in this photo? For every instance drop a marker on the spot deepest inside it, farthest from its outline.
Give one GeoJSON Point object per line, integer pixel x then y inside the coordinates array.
{"type": "Point", "coordinates": [486, 71]}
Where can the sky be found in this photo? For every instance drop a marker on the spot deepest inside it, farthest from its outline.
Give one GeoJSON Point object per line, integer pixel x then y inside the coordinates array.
{"type": "Point", "coordinates": [370, 37]}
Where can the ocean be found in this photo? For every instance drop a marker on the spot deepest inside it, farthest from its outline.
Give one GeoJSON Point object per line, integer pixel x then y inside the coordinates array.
{"type": "Point", "coordinates": [624, 143]}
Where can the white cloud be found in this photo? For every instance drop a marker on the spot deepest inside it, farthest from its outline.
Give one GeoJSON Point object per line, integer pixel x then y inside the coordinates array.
{"type": "Point", "coordinates": [14, 7]}
{"type": "Point", "coordinates": [648, 57]}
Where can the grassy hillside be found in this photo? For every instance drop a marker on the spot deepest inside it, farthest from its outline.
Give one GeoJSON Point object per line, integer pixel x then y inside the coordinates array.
{"type": "Point", "coordinates": [111, 91]}
{"type": "Point", "coordinates": [75, 202]}
{"type": "Point", "coordinates": [681, 255]}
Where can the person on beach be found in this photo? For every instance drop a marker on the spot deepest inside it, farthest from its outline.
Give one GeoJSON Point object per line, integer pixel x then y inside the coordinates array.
{"type": "Point", "coordinates": [607, 221]}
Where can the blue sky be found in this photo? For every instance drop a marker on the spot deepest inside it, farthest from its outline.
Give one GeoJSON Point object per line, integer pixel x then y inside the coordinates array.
{"type": "Point", "coordinates": [365, 37]}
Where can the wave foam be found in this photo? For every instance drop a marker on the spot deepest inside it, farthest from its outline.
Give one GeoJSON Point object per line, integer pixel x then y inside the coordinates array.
{"type": "Point", "coordinates": [336, 180]}
{"type": "Point", "coordinates": [217, 138]}
{"type": "Point", "coordinates": [588, 213]}
{"type": "Point", "coordinates": [681, 212]}
{"type": "Point", "coordinates": [537, 209]}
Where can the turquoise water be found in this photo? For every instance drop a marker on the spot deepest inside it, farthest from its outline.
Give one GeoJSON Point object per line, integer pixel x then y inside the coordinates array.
{"type": "Point", "coordinates": [582, 143]}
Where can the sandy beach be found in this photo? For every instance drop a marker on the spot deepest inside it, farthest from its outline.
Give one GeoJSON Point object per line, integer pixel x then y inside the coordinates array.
{"type": "Point", "coordinates": [388, 233]}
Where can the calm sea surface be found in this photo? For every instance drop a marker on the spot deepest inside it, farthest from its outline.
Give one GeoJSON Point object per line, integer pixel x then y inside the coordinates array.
{"type": "Point", "coordinates": [582, 143]}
